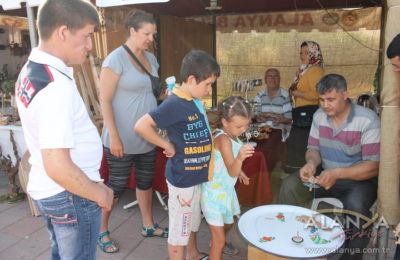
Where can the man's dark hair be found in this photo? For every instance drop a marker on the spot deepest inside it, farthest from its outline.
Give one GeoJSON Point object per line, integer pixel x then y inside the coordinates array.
{"type": "Point", "coordinates": [393, 49]}
{"type": "Point", "coordinates": [75, 14]}
{"type": "Point", "coordinates": [332, 82]}
{"type": "Point", "coordinates": [199, 64]}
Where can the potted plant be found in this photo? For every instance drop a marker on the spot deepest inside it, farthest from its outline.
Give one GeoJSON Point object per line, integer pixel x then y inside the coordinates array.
{"type": "Point", "coordinates": [8, 87]}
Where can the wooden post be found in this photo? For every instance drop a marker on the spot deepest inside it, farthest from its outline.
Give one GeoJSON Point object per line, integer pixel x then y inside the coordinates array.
{"type": "Point", "coordinates": [96, 79]}
{"type": "Point", "coordinates": [95, 104]}
{"type": "Point", "coordinates": [84, 93]}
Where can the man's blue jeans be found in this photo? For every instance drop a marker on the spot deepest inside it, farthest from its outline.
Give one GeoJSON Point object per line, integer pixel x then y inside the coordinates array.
{"type": "Point", "coordinates": [73, 224]}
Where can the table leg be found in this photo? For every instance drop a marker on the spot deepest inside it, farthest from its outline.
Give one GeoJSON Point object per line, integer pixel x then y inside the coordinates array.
{"type": "Point", "coordinates": [130, 205]}
{"type": "Point", "coordinates": [161, 199]}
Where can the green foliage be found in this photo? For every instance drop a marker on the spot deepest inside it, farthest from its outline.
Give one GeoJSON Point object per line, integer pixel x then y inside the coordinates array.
{"type": "Point", "coordinates": [375, 83]}
{"type": "Point", "coordinates": [8, 87]}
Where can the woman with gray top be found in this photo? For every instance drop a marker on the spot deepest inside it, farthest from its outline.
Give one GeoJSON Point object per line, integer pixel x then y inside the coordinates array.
{"type": "Point", "coordinates": [125, 96]}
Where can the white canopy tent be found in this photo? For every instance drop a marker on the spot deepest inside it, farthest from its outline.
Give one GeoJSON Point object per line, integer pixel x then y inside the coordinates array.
{"type": "Point", "coordinates": [16, 4]}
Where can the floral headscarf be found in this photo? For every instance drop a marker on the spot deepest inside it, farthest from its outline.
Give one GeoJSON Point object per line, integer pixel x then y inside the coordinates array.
{"type": "Point", "coordinates": [315, 59]}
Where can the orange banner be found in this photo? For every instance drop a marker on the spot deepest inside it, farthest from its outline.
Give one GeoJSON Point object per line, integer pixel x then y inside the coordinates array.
{"type": "Point", "coordinates": [303, 21]}
{"type": "Point", "coordinates": [14, 21]}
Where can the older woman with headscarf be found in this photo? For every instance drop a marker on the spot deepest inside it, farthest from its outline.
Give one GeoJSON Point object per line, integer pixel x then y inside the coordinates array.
{"type": "Point", "coordinates": [305, 102]}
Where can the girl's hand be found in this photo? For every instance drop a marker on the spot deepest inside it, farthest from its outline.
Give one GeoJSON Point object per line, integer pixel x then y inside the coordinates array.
{"type": "Point", "coordinates": [116, 147]}
{"type": "Point", "coordinates": [245, 152]}
{"type": "Point", "coordinates": [169, 150]}
{"type": "Point", "coordinates": [243, 178]}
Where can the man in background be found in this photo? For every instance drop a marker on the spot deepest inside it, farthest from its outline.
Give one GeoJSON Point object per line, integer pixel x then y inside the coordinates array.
{"type": "Point", "coordinates": [274, 111]}
{"type": "Point", "coordinates": [342, 158]}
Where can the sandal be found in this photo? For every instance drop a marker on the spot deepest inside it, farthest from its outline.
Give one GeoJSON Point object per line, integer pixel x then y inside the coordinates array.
{"type": "Point", "coordinates": [204, 257]}
{"type": "Point", "coordinates": [150, 232]}
{"type": "Point", "coordinates": [105, 246]}
{"type": "Point", "coordinates": [229, 249]}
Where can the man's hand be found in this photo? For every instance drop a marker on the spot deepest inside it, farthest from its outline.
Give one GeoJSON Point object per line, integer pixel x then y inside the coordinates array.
{"type": "Point", "coordinates": [264, 117]}
{"type": "Point", "coordinates": [106, 199]}
{"type": "Point", "coordinates": [169, 150]}
{"type": "Point", "coordinates": [307, 171]}
{"type": "Point", "coordinates": [397, 234]}
{"type": "Point", "coordinates": [260, 119]}
{"type": "Point", "coordinates": [327, 178]}
{"type": "Point", "coordinates": [279, 119]}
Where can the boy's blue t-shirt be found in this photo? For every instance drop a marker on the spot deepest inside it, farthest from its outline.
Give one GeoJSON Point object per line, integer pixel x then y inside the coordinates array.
{"type": "Point", "coordinates": [187, 129]}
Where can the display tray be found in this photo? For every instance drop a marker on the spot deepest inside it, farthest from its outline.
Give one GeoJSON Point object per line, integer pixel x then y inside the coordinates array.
{"type": "Point", "coordinates": [287, 231]}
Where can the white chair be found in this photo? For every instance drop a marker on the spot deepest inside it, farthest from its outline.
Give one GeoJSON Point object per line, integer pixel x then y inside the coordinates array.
{"type": "Point", "coordinates": [332, 201]}
{"type": "Point", "coordinates": [23, 174]}
{"type": "Point", "coordinates": [159, 196]}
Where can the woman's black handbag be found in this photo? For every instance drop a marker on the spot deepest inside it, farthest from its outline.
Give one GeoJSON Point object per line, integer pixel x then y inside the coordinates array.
{"type": "Point", "coordinates": [303, 116]}
{"type": "Point", "coordinates": [156, 83]}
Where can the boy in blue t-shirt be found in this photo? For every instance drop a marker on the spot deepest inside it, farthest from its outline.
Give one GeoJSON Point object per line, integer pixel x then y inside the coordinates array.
{"type": "Point", "coordinates": [189, 149]}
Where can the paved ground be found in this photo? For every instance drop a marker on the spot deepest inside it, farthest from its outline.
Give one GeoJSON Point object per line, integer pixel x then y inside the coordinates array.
{"type": "Point", "coordinates": [23, 236]}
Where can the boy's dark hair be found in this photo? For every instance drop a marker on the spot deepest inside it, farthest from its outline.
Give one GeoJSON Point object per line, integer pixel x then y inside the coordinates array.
{"type": "Point", "coordinates": [393, 49]}
{"type": "Point", "coordinates": [199, 64]}
{"type": "Point", "coordinates": [136, 19]}
{"type": "Point", "coordinates": [74, 14]}
{"type": "Point", "coordinates": [330, 82]}
{"type": "Point", "coordinates": [234, 106]}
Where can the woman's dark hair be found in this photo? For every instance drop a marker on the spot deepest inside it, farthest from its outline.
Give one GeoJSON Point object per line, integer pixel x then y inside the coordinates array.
{"type": "Point", "coordinates": [75, 14]}
{"type": "Point", "coordinates": [234, 106]}
{"type": "Point", "coordinates": [136, 19]}
{"type": "Point", "coordinates": [303, 44]}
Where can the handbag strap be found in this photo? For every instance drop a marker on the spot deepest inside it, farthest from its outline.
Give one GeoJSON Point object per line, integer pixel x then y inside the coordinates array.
{"type": "Point", "coordinates": [136, 59]}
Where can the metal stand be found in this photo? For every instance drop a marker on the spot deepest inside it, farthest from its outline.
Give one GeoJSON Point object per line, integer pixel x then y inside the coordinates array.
{"type": "Point", "coordinates": [159, 196]}
{"type": "Point", "coordinates": [31, 24]}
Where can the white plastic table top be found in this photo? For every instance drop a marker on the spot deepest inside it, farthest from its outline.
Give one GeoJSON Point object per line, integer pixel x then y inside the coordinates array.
{"type": "Point", "coordinates": [271, 228]}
